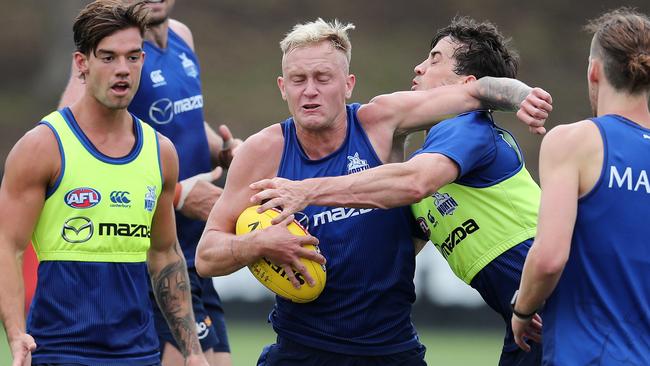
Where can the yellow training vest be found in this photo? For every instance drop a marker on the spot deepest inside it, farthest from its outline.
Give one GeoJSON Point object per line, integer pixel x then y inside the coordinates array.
{"type": "Point", "coordinates": [472, 226]}
{"type": "Point", "coordinates": [101, 208]}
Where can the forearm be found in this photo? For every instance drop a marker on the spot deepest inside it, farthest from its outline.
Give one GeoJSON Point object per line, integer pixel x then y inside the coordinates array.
{"type": "Point", "coordinates": [171, 287]}
{"type": "Point", "coordinates": [387, 186]}
{"type": "Point", "coordinates": [500, 94]}
{"type": "Point", "coordinates": [220, 253]}
{"type": "Point", "coordinates": [12, 295]}
{"type": "Point", "coordinates": [215, 142]}
{"type": "Point", "coordinates": [537, 283]}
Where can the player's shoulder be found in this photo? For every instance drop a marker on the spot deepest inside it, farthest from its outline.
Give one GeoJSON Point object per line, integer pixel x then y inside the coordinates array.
{"type": "Point", "coordinates": [40, 141]}
{"type": "Point", "coordinates": [166, 145]}
{"type": "Point", "coordinates": [573, 139]}
{"type": "Point", "coordinates": [258, 157]}
{"type": "Point", "coordinates": [574, 133]}
{"type": "Point", "coordinates": [42, 138]}
{"type": "Point", "coordinates": [269, 140]}
{"type": "Point", "coordinates": [183, 31]}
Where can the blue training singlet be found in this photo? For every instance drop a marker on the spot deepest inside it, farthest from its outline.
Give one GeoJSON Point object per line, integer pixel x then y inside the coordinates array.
{"type": "Point", "coordinates": [170, 100]}
{"type": "Point", "coordinates": [365, 308]}
{"type": "Point", "coordinates": [599, 313]}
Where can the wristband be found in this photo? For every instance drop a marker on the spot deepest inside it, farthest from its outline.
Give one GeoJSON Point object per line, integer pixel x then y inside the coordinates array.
{"type": "Point", "coordinates": [519, 315]}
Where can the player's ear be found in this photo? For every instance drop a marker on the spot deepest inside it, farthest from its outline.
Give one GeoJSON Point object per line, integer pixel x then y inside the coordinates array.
{"type": "Point", "coordinates": [350, 80]}
{"type": "Point", "coordinates": [80, 63]}
{"type": "Point", "coordinates": [281, 86]}
{"type": "Point", "coordinates": [468, 79]}
{"type": "Point", "coordinates": [594, 70]}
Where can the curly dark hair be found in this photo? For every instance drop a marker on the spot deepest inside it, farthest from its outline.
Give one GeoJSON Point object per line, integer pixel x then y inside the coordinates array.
{"type": "Point", "coordinates": [481, 50]}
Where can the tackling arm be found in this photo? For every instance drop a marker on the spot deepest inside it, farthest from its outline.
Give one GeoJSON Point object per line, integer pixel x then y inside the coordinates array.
{"type": "Point", "coordinates": [406, 111]}
{"type": "Point", "coordinates": [385, 186]}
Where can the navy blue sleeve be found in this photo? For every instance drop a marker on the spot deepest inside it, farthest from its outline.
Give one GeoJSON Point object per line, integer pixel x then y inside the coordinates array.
{"type": "Point", "coordinates": [467, 139]}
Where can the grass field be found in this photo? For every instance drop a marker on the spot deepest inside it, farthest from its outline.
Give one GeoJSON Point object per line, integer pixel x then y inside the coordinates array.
{"type": "Point", "coordinates": [444, 347]}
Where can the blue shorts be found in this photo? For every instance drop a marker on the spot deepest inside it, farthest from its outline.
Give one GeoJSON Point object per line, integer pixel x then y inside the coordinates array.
{"type": "Point", "coordinates": [496, 283]}
{"type": "Point", "coordinates": [210, 322]}
{"type": "Point", "coordinates": [288, 353]}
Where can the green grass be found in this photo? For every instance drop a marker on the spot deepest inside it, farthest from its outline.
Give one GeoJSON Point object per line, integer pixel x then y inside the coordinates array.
{"type": "Point", "coordinates": [444, 347]}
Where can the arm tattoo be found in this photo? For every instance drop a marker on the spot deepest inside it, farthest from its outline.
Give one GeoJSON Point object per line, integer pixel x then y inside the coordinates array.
{"type": "Point", "coordinates": [502, 94]}
{"type": "Point", "coordinates": [171, 287]}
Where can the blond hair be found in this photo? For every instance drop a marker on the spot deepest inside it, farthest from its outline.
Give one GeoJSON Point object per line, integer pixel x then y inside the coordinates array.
{"type": "Point", "coordinates": [318, 31]}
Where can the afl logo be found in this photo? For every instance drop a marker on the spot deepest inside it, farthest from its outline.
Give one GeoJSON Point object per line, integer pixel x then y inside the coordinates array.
{"type": "Point", "coordinates": [423, 226]}
{"type": "Point", "coordinates": [84, 197]}
{"type": "Point", "coordinates": [162, 111]}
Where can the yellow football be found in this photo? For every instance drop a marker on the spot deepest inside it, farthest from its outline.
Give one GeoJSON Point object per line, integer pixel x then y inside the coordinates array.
{"type": "Point", "coordinates": [273, 276]}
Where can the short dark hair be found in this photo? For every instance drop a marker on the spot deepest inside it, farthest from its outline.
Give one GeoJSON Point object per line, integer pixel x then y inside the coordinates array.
{"type": "Point", "coordinates": [481, 50]}
{"type": "Point", "coordinates": [622, 39]}
{"type": "Point", "coordinates": [101, 18]}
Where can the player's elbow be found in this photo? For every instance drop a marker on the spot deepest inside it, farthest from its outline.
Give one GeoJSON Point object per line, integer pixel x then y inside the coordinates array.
{"type": "Point", "coordinates": [204, 263]}
{"type": "Point", "coordinates": [202, 268]}
{"type": "Point", "coordinates": [547, 263]}
{"type": "Point", "coordinates": [416, 191]}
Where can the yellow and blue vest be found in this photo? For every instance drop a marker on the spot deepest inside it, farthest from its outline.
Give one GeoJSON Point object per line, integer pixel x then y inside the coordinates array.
{"type": "Point", "coordinates": [471, 225]}
{"type": "Point", "coordinates": [91, 303]}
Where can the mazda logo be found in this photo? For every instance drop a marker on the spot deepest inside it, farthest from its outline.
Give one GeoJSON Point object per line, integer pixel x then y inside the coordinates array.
{"type": "Point", "coordinates": [77, 230]}
{"type": "Point", "coordinates": [302, 219]}
{"type": "Point", "coordinates": [162, 111]}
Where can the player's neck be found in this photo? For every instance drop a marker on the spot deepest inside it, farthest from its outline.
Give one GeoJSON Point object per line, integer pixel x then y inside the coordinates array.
{"type": "Point", "coordinates": [158, 34]}
{"type": "Point", "coordinates": [631, 106]}
{"type": "Point", "coordinates": [322, 142]}
{"type": "Point", "coordinates": [93, 117]}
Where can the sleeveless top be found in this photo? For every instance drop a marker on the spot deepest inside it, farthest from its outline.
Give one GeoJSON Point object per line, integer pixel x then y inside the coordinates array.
{"type": "Point", "coordinates": [599, 313]}
{"type": "Point", "coordinates": [366, 304]}
{"type": "Point", "coordinates": [169, 98]}
{"type": "Point", "coordinates": [91, 303]}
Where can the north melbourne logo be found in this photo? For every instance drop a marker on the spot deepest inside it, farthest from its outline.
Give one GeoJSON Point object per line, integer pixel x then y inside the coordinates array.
{"type": "Point", "coordinates": [150, 198]}
{"type": "Point", "coordinates": [445, 203]}
{"type": "Point", "coordinates": [356, 164]}
{"type": "Point", "coordinates": [188, 65]}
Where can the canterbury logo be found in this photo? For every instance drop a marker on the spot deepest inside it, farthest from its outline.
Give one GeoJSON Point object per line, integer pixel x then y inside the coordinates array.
{"type": "Point", "coordinates": [120, 197]}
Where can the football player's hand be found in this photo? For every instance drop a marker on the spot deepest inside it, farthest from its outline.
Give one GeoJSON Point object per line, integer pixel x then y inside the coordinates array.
{"type": "Point", "coordinates": [285, 249]}
{"type": "Point", "coordinates": [279, 192]}
{"type": "Point", "coordinates": [21, 349]}
{"type": "Point", "coordinates": [229, 147]}
{"type": "Point", "coordinates": [534, 110]}
{"type": "Point", "coordinates": [198, 194]}
{"type": "Point", "coordinates": [527, 329]}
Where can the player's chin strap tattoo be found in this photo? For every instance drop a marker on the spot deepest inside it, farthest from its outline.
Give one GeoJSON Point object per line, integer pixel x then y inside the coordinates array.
{"type": "Point", "coordinates": [502, 94]}
{"type": "Point", "coordinates": [171, 288]}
